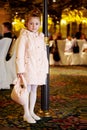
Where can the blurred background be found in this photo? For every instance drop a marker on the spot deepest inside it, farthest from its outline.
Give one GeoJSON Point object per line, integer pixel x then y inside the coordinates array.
{"type": "Point", "coordinates": [64, 16]}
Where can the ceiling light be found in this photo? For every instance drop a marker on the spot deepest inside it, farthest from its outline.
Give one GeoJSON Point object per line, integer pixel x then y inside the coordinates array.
{"type": "Point", "coordinates": [54, 0]}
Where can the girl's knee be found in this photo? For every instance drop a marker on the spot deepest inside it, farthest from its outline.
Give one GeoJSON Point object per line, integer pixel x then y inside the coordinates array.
{"type": "Point", "coordinates": [29, 88]}
{"type": "Point", "coordinates": [34, 88]}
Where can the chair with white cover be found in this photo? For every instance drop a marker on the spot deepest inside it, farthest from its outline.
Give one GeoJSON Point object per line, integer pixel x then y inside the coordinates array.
{"type": "Point", "coordinates": [7, 68]}
{"type": "Point", "coordinates": [84, 54]}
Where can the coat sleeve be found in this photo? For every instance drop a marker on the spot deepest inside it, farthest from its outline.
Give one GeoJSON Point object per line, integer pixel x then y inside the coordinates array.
{"type": "Point", "coordinates": [20, 54]}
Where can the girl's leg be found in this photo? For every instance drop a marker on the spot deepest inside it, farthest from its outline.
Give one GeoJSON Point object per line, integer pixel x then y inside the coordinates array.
{"type": "Point", "coordinates": [33, 96]}
{"type": "Point", "coordinates": [27, 116]}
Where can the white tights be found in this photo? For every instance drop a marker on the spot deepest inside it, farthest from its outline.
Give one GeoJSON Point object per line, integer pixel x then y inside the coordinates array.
{"type": "Point", "coordinates": [29, 114]}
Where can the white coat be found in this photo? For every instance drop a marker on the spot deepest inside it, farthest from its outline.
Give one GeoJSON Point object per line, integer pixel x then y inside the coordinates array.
{"type": "Point", "coordinates": [31, 57]}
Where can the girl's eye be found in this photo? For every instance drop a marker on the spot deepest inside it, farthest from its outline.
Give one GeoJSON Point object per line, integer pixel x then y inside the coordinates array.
{"type": "Point", "coordinates": [31, 23]}
{"type": "Point", "coordinates": [36, 23]}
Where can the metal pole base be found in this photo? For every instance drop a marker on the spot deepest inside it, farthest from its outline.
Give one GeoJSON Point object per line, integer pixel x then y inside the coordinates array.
{"type": "Point", "coordinates": [44, 113]}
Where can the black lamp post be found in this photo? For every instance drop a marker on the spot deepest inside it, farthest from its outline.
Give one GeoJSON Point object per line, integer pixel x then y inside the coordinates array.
{"type": "Point", "coordinates": [45, 88]}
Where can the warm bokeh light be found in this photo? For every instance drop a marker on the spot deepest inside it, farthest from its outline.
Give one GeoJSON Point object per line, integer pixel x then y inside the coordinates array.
{"type": "Point", "coordinates": [74, 16]}
{"type": "Point", "coordinates": [63, 22]}
{"type": "Point", "coordinates": [18, 24]}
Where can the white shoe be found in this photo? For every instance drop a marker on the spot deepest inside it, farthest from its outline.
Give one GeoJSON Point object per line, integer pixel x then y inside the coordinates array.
{"type": "Point", "coordinates": [29, 119]}
{"type": "Point", "coordinates": [35, 116]}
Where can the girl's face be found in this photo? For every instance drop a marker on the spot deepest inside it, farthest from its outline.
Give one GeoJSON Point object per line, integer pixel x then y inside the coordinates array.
{"type": "Point", "coordinates": [33, 24]}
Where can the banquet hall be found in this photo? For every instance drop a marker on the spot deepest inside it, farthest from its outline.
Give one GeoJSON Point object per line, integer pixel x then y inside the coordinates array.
{"type": "Point", "coordinates": [62, 102]}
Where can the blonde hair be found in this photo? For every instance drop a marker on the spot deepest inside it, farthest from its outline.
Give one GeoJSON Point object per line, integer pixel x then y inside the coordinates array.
{"type": "Point", "coordinates": [33, 13]}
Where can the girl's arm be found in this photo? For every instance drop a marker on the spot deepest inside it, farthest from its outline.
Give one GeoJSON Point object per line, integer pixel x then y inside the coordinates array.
{"type": "Point", "coordinates": [20, 54]}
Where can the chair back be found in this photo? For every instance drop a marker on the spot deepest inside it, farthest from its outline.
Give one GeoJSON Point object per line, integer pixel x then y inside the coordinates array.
{"type": "Point", "coordinates": [4, 46]}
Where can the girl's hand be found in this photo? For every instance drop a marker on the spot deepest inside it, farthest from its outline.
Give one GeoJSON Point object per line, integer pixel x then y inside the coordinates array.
{"type": "Point", "coordinates": [19, 74]}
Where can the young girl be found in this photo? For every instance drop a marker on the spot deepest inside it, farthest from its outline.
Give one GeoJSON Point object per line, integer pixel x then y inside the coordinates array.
{"type": "Point", "coordinates": [31, 61]}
